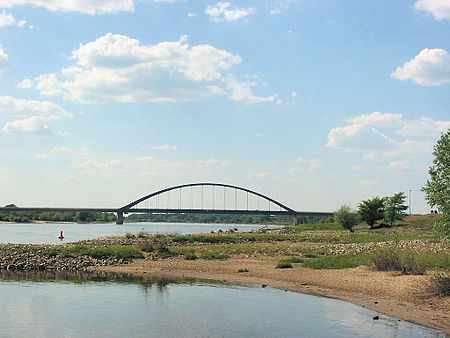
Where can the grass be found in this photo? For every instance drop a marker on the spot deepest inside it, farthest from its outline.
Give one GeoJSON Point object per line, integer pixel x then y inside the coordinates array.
{"type": "Point", "coordinates": [190, 257]}
{"type": "Point", "coordinates": [125, 252]}
{"type": "Point", "coordinates": [408, 262]}
{"type": "Point", "coordinates": [214, 256]}
{"type": "Point", "coordinates": [337, 262]}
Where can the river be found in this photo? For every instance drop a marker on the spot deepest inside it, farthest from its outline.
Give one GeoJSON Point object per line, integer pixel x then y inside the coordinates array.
{"type": "Point", "coordinates": [110, 305]}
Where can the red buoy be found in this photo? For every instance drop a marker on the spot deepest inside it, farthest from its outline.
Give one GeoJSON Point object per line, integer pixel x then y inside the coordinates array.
{"type": "Point", "coordinates": [61, 235]}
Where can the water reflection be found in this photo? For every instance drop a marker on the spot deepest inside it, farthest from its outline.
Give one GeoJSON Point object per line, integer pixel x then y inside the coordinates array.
{"type": "Point", "coordinates": [42, 304]}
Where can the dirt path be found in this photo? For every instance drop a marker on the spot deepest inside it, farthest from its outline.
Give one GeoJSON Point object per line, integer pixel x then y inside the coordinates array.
{"type": "Point", "coordinates": [386, 292]}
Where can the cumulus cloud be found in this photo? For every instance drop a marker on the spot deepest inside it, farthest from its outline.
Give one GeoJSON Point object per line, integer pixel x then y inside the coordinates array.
{"type": "Point", "coordinates": [30, 116]}
{"type": "Point", "coordinates": [424, 126]}
{"type": "Point", "coordinates": [222, 11]}
{"type": "Point", "coordinates": [121, 69]}
{"type": "Point", "coordinates": [26, 83]}
{"type": "Point", "coordinates": [82, 6]}
{"type": "Point", "coordinates": [3, 59]}
{"type": "Point", "coordinates": [212, 162]}
{"type": "Point", "coordinates": [384, 136]}
{"type": "Point", "coordinates": [7, 19]}
{"type": "Point", "coordinates": [440, 9]}
{"type": "Point", "coordinates": [430, 68]}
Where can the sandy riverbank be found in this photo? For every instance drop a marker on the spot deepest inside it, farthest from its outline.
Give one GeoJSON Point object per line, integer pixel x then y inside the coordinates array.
{"type": "Point", "coordinates": [386, 292]}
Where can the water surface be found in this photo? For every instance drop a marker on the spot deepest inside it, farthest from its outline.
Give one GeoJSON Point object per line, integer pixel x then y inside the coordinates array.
{"type": "Point", "coordinates": [100, 305]}
{"type": "Point", "coordinates": [47, 233]}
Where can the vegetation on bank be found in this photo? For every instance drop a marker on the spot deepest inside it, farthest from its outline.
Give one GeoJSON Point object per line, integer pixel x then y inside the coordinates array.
{"type": "Point", "coordinates": [223, 219]}
{"type": "Point", "coordinates": [55, 216]}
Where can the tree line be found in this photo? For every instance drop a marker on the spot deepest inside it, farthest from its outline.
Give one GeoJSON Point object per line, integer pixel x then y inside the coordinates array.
{"type": "Point", "coordinates": [221, 219]}
{"type": "Point", "coordinates": [55, 216]}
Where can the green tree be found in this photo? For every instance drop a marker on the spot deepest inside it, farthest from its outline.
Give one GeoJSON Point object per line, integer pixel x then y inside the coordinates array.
{"type": "Point", "coordinates": [371, 210]}
{"type": "Point", "coordinates": [346, 217]}
{"type": "Point", "coordinates": [394, 208]}
{"type": "Point", "coordinates": [437, 188]}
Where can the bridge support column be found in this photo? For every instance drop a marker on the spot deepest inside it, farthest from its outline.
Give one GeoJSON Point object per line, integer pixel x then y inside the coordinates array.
{"type": "Point", "coordinates": [295, 220]}
{"type": "Point", "coordinates": [119, 217]}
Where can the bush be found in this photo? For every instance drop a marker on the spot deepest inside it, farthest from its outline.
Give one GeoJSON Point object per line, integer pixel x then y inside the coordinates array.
{"type": "Point", "coordinates": [346, 217]}
{"type": "Point", "coordinates": [391, 260]}
{"type": "Point", "coordinates": [243, 270]}
{"type": "Point", "coordinates": [147, 246]}
{"type": "Point", "coordinates": [284, 265]}
{"type": "Point", "coordinates": [386, 260]}
{"type": "Point", "coordinates": [439, 284]}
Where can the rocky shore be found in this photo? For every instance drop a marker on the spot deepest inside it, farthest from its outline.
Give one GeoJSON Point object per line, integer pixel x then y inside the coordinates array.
{"type": "Point", "coordinates": [32, 257]}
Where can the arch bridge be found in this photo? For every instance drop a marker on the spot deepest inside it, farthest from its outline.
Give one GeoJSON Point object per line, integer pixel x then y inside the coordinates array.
{"type": "Point", "coordinates": [197, 198]}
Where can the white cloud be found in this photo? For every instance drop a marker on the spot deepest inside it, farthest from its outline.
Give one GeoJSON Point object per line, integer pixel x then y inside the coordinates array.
{"type": "Point", "coordinates": [440, 9]}
{"type": "Point", "coordinates": [165, 147]}
{"type": "Point", "coordinates": [376, 119]}
{"type": "Point", "coordinates": [221, 12]}
{"type": "Point", "coordinates": [33, 115]}
{"type": "Point", "coordinates": [82, 6]}
{"type": "Point", "coordinates": [402, 166]}
{"type": "Point", "coordinates": [30, 125]}
{"type": "Point", "coordinates": [66, 150]}
{"type": "Point", "coordinates": [258, 135]}
{"type": "Point", "coordinates": [212, 162]}
{"type": "Point", "coordinates": [430, 68]}
{"type": "Point", "coordinates": [243, 91]}
{"type": "Point", "coordinates": [275, 11]}
{"type": "Point", "coordinates": [309, 165]}
{"type": "Point", "coordinates": [3, 59]}
{"type": "Point", "coordinates": [7, 19]}
{"type": "Point", "coordinates": [26, 83]}
{"type": "Point", "coordinates": [386, 136]}
{"type": "Point", "coordinates": [357, 167]}
{"type": "Point", "coordinates": [118, 68]}
{"type": "Point", "coordinates": [192, 15]}
{"type": "Point", "coordinates": [424, 126]}
{"type": "Point", "coordinates": [257, 176]}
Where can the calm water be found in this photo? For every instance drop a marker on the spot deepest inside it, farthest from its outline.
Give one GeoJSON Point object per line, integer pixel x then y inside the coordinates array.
{"type": "Point", "coordinates": [48, 233]}
{"type": "Point", "coordinates": [80, 305]}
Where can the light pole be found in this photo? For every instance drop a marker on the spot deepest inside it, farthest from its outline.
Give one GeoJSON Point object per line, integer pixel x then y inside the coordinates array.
{"type": "Point", "coordinates": [409, 202]}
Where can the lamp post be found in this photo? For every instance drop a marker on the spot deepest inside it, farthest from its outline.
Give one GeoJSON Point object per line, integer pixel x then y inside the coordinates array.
{"type": "Point", "coordinates": [409, 202]}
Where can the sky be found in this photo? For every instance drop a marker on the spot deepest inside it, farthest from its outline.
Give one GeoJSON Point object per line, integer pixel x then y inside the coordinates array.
{"type": "Point", "coordinates": [313, 103]}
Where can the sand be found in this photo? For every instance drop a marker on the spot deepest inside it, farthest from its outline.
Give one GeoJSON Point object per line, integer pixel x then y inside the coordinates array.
{"type": "Point", "coordinates": [389, 293]}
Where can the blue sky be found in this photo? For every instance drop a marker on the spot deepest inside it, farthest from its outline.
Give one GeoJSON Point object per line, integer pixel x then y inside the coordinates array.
{"type": "Point", "coordinates": [314, 103]}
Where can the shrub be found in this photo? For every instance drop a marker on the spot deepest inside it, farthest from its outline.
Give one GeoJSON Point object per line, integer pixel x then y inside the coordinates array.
{"type": "Point", "coordinates": [243, 270]}
{"type": "Point", "coordinates": [284, 265]}
{"type": "Point", "coordinates": [439, 284]}
{"type": "Point", "coordinates": [346, 217]}
{"type": "Point", "coordinates": [391, 260]}
{"type": "Point", "coordinates": [386, 260]}
{"type": "Point", "coordinates": [310, 255]}
{"type": "Point", "coordinates": [147, 246]}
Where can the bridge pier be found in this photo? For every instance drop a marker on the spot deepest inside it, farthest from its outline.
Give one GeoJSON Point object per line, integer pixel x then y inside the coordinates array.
{"type": "Point", "coordinates": [295, 221]}
{"type": "Point", "coordinates": [119, 217]}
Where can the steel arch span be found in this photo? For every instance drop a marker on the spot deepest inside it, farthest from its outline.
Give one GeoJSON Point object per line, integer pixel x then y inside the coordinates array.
{"type": "Point", "coordinates": [128, 207]}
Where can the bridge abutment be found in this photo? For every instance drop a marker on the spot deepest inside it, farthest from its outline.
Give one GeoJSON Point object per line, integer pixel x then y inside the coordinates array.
{"type": "Point", "coordinates": [119, 217]}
